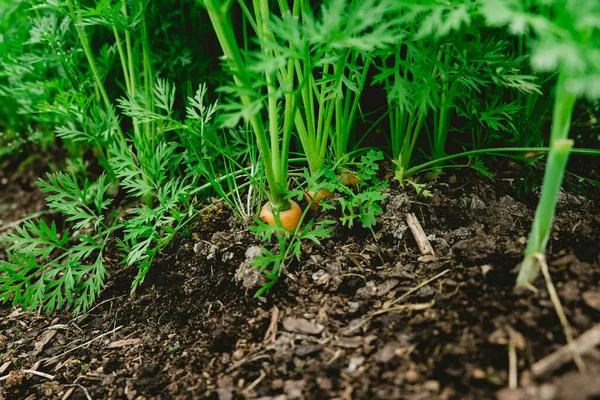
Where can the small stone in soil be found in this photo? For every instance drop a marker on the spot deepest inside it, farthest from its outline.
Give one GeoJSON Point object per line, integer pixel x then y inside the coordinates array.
{"type": "Point", "coordinates": [386, 353]}
{"type": "Point", "coordinates": [238, 354]}
{"type": "Point", "coordinates": [246, 273]}
{"type": "Point", "coordinates": [485, 269]}
{"type": "Point", "coordinates": [368, 291]}
{"type": "Point", "coordinates": [321, 278]}
{"type": "Point", "coordinates": [355, 362]}
{"type": "Point", "coordinates": [304, 350]}
{"type": "Point", "coordinates": [293, 389]}
{"type": "Point", "coordinates": [426, 291]}
{"type": "Point", "coordinates": [324, 383]}
{"type": "Point", "coordinates": [353, 306]}
{"type": "Point", "coordinates": [411, 376]}
{"type": "Point", "coordinates": [432, 386]}
{"type": "Point", "coordinates": [478, 374]}
{"type": "Point", "coordinates": [277, 384]}
{"type": "Point", "coordinates": [301, 325]}
{"type": "Point", "coordinates": [592, 299]}
{"type": "Point", "coordinates": [350, 342]}
{"type": "Point", "coordinates": [510, 394]}
{"type": "Point", "coordinates": [386, 286]}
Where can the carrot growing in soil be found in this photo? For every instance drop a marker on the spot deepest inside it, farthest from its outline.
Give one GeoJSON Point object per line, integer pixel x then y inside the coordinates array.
{"type": "Point", "coordinates": [317, 196]}
{"type": "Point", "coordinates": [274, 144]}
{"type": "Point", "coordinates": [321, 189]}
{"type": "Point", "coordinates": [289, 218]}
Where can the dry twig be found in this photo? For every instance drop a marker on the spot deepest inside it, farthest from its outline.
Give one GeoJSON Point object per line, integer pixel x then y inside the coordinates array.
{"type": "Point", "coordinates": [419, 234]}
{"type": "Point", "coordinates": [271, 333]}
{"type": "Point", "coordinates": [584, 343]}
{"type": "Point", "coordinates": [390, 303]}
{"type": "Point", "coordinates": [29, 371]}
{"type": "Point", "coordinates": [560, 312]}
{"type": "Point", "coordinates": [85, 391]}
{"type": "Point", "coordinates": [256, 382]}
{"type": "Point", "coordinates": [84, 344]}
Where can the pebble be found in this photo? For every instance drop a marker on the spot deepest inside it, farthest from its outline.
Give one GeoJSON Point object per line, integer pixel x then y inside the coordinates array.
{"type": "Point", "coordinates": [411, 376]}
{"type": "Point", "coordinates": [355, 362]}
{"type": "Point", "coordinates": [386, 353]}
{"type": "Point", "coordinates": [432, 386]}
{"type": "Point", "coordinates": [478, 374]}
{"type": "Point", "coordinates": [353, 306]}
{"type": "Point", "coordinates": [301, 325]}
{"type": "Point", "coordinates": [238, 354]}
{"type": "Point", "coordinates": [592, 299]}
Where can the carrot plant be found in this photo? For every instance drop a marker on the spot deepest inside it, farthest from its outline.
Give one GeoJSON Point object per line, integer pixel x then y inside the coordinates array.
{"type": "Point", "coordinates": [138, 139]}
{"type": "Point", "coordinates": [363, 203]}
{"type": "Point", "coordinates": [308, 73]}
{"type": "Point", "coordinates": [52, 270]}
{"type": "Point", "coordinates": [273, 141]}
{"type": "Point", "coordinates": [241, 186]}
{"type": "Point", "coordinates": [407, 75]}
{"type": "Point", "coordinates": [31, 72]}
{"type": "Point", "coordinates": [332, 51]}
{"type": "Point", "coordinates": [563, 37]}
{"type": "Point", "coordinates": [447, 65]}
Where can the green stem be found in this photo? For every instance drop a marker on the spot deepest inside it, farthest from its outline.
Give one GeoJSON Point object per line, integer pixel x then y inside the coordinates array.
{"type": "Point", "coordinates": [560, 148]}
{"type": "Point", "coordinates": [346, 110]}
{"type": "Point", "coordinates": [92, 62]}
{"type": "Point", "coordinates": [291, 100]}
{"type": "Point", "coordinates": [544, 215]}
{"type": "Point", "coordinates": [123, 59]}
{"type": "Point", "coordinates": [562, 112]}
{"type": "Point", "coordinates": [226, 37]}
{"type": "Point", "coordinates": [411, 139]}
{"type": "Point", "coordinates": [492, 151]}
{"type": "Point", "coordinates": [148, 73]}
{"type": "Point", "coordinates": [130, 64]}
{"type": "Point", "coordinates": [442, 121]}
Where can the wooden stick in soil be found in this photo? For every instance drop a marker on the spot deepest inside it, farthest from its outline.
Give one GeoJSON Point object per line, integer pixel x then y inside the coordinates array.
{"type": "Point", "coordinates": [5, 366]}
{"type": "Point", "coordinates": [271, 333]}
{"type": "Point", "coordinates": [77, 385]}
{"type": "Point", "coordinates": [419, 234]}
{"type": "Point", "coordinates": [29, 371]}
{"type": "Point", "coordinates": [586, 342]}
{"type": "Point", "coordinates": [252, 356]}
{"type": "Point", "coordinates": [255, 383]}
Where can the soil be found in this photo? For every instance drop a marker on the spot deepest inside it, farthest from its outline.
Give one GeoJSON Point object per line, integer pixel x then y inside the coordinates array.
{"type": "Point", "coordinates": [361, 316]}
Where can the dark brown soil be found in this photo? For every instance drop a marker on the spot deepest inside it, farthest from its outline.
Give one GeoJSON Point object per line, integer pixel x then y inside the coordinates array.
{"type": "Point", "coordinates": [356, 318]}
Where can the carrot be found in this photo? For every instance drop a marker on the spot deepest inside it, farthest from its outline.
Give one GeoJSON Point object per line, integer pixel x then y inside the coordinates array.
{"type": "Point", "coordinates": [289, 218]}
{"type": "Point", "coordinates": [316, 198]}
{"type": "Point", "coordinates": [349, 178]}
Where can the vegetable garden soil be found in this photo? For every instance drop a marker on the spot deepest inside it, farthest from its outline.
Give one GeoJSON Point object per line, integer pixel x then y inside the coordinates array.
{"type": "Point", "coordinates": [356, 318]}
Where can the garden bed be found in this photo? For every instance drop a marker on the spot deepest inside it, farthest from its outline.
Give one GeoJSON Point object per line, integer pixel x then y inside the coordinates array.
{"type": "Point", "coordinates": [355, 318]}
